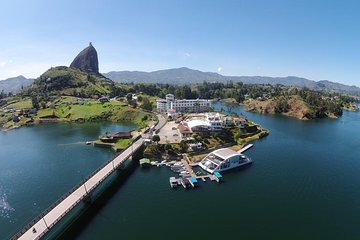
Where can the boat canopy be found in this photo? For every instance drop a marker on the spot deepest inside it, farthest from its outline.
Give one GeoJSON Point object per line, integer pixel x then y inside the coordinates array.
{"type": "Point", "coordinates": [193, 180]}
{"type": "Point", "coordinates": [144, 161]}
{"type": "Point", "coordinates": [217, 174]}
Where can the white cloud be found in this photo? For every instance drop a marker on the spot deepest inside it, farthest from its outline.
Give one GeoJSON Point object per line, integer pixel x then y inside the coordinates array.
{"type": "Point", "coordinates": [219, 69]}
{"type": "Point", "coordinates": [4, 63]}
{"type": "Point", "coordinates": [187, 54]}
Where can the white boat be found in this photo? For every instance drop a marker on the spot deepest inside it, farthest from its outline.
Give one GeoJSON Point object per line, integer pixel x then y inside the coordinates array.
{"type": "Point", "coordinates": [173, 182]}
{"type": "Point", "coordinates": [178, 164]}
{"type": "Point", "coordinates": [177, 168]}
{"type": "Point", "coordinates": [223, 159]}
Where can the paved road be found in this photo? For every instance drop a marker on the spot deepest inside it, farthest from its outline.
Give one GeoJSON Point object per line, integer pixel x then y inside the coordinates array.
{"type": "Point", "coordinates": [161, 123]}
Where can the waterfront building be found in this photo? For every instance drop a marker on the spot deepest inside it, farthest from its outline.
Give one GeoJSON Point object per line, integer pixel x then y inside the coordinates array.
{"type": "Point", "coordinates": [222, 160]}
{"type": "Point", "coordinates": [215, 121]}
{"type": "Point", "coordinates": [183, 105]}
{"type": "Point", "coordinates": [239, 121]}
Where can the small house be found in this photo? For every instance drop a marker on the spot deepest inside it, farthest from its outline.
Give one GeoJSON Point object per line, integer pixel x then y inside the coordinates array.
{"type": "Point", "coordinates": [16, 118]}
{"type": "Point", "coordinates": [239, 121]}
{"type": "Point", "coordinates": [121, 135]}
{"type": "Point", "coordinates": [172, 114]}
{"type": "Point", "coordinates": [195, 146]}
{"type": "Point", "coordinates": [228, 121]}
{"type": "Point", "coordinates": [185, 130]}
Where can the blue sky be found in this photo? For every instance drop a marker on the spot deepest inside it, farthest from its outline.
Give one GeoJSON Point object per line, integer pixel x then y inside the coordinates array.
{"type": "Point", "coordinates": [306, 38]}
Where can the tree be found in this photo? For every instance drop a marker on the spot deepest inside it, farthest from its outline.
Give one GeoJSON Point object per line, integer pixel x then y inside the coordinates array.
{"type": "Point", "coordinates": [168, 147]}
{"type": "Point", "coordinates": [146, 104]}
{"type": "Point", "coordinates": [2, 94]}
{"type": "Point", "coordinates": [156, 138]}
{"type": "Point", "coordinates": [139, 98]}
{"type": "Point", "coordinates": [282, 105]}
{"type": "Point", "coordinates": [183, 146]}
{"type": "Point", "coordinates": [35, 102]}
{"type": "Point", "coordinates": [133, 103]}
{"type": "Point", "coordinates": [129, 97]}
{"type": "Point", "coordinates": [42, 104]}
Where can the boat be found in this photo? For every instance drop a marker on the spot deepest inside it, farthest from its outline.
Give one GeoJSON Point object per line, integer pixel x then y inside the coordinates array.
{"type": "Point", "coordinates": [87, 142]}
{"type": "Point", "coordinates": [177, 168]}
{"type": "Point", "coordinates": [185, 182]}
{"type": "Point", "coordinates": [193, 181]}
{"type": "Point", "coordinates": [179, 164]}
{"type": "Point", "coordinates": [173, 182]}
{"type": "Point", "coordinates": [218, 176]}
{"type": "Point", "coordinates": [223, 159]}
{"type": "Point", "coordinates": [145, 162]}
{"type": "Point", "coordinates": [184, 175]}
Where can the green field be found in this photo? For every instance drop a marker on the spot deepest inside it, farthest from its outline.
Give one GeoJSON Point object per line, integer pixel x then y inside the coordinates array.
{"type": "Point", "coordinates": [82, 110]}
{"type": "Point", "coordinates": [123, 143]}
{"type": "Point", "coordinates": [18, 103]}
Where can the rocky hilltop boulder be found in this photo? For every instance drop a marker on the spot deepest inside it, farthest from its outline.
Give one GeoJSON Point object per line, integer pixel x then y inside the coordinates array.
{"type": "Point", "coordinates": [87, 60]}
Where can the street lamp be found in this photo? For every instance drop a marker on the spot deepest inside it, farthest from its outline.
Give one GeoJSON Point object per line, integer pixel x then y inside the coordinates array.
{"type": "Point", "coordinates": [83, 181]}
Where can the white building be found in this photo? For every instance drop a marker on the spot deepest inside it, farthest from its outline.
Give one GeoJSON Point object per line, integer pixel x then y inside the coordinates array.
{"type": "Point", "coordinates": [223, 159]}
{"type": "Point", "coordinates": [184, 105]}
{"type": "Point", "coordinates": [199, 125]}
{"type": "Point", "coordinates": [215, 121]}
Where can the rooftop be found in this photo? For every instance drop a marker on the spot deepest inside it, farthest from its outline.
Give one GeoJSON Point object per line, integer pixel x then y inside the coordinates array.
{"type": "Point", "coordinates": [225, 153]}
{"type": "Point", "coordinates": [194, 123]}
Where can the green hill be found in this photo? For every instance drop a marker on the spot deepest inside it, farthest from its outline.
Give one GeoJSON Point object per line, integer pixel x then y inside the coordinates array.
{"type": "Point", "coordinates": [72, 82]}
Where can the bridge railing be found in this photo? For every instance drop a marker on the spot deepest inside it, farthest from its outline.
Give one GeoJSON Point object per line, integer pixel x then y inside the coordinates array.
{"type": "Point", "coordinates": [52, 206]}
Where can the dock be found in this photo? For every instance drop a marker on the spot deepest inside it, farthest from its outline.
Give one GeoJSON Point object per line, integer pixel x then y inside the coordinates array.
{"type": "Point", "coordinates": [188, 168]}
{"type": "Point", "coordinates": [247, 147]}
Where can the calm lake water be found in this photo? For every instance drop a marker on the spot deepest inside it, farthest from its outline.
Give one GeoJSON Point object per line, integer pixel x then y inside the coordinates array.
{"type": "Point", "coordinates": [39, 164]}
{"type": "Point", "coordinates": [304, 184]}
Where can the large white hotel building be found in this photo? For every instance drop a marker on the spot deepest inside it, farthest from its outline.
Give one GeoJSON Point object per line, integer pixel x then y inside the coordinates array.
{"type": "Point", "coordinates": [184, 105]}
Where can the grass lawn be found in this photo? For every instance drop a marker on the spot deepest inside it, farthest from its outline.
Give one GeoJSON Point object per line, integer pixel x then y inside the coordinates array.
{"type": "Point", "coordinates": [123, 143]}
{"type": "Point", "coordinates": [87, 111]}
{"type": "Point", "coordinates": [43, 113]}
{"type": "Point", "coordinates": [23, 103]}
{"type": "Point", "coordinates": [91, 110]}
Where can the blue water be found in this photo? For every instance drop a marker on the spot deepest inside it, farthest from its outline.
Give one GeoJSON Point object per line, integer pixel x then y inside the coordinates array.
{"type": "Point", "coordinates": [304, 184]}
{"type": "Point", "coordinates": [39, 164]}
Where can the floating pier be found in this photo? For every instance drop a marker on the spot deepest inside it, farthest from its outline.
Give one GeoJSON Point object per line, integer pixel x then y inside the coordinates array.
{"type": "Point", "coordinates": [187, 176]}
{"type": "Point", "coordinates": [247, 147]}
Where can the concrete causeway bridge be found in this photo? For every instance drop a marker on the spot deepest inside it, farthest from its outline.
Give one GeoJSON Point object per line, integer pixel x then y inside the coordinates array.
{"type": "Point", "coordinates": [48, 219]}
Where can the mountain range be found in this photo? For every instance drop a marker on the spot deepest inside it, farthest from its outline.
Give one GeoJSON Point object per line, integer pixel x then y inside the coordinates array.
{"type": "Point", "coordinates": [15, 84]}
{"type": "Point", "coordinates": [181, 76]}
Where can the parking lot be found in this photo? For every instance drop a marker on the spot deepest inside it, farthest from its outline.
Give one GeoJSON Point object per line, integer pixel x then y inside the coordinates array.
{"type": "Point", "coordinates": [169, 133]}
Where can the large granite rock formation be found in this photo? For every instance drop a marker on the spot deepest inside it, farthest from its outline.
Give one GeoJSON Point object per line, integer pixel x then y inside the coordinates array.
{"type": "Point", "coordinates": [87, 60]}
